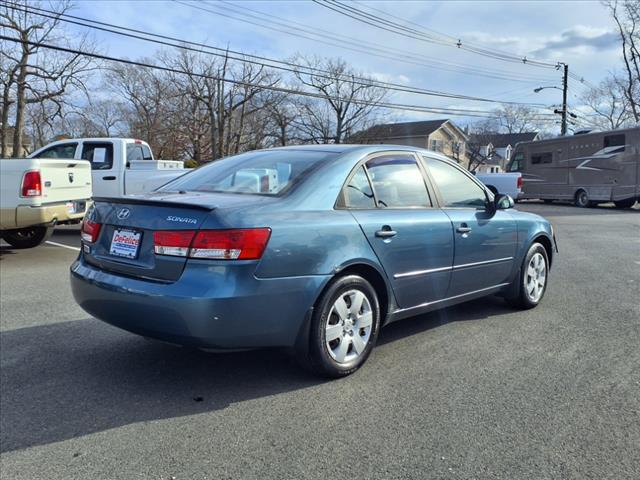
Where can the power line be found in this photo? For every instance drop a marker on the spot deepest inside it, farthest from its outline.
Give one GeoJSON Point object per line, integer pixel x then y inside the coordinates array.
{"type": "Point", "coordinates": [388, 105]}
{"type": "Point", "coordinates": [399, 29]}
{"type": "Point", "coordinates": [288, 66]}
{"type": "Point", "coordinates": [365, 48]}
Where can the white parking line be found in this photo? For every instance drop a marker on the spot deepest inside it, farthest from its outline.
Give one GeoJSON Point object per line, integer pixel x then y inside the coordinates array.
{"type": "Point", "coordinates": [63, 245]}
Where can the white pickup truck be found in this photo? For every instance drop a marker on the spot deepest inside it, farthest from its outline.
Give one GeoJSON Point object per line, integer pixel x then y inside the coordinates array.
{"type": "Point", "coordinates": [506, 183]}
{"type": "Point", "coordinates": [38, 194]}
{"type": "Point", "coordinates": [119, 166]}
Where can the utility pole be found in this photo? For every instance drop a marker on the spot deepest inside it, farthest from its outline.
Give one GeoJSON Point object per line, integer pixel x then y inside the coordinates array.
{"type": "Point", "coordinates": [565, 84]}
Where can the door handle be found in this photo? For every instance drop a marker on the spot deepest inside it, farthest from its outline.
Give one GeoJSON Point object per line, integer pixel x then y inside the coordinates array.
{"type": "Point", "coordinates": [464, 228]}
{"type": "Point", "coordinates": [109, 177]}
{"type": "Point", "coordinates": [386, 232]}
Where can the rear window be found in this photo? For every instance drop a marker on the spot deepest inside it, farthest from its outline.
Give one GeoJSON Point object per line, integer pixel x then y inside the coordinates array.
{"type": "Point", "coordinates": [137, 151]}
{"type": "Point", "coordinates": [269, 172]}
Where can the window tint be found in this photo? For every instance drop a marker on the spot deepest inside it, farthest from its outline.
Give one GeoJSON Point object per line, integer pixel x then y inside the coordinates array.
{"type": "Point", "coordinates": [99, 154]}
{"type": "Point", "coordinates": [358, 193]}
{"type": "Point", "coordinates": [65, 150]}
{"type": "Point", "coordinates": [456, 188]}
{"type": "Point", "coordinates": [615, 141]}
{"type": "Point", "coordinates": [266, 172]}
{"type": "Point", "coordinates": [398, 182]}
{"type": "Point", "coordinates": [138, 152]}
{"type": "Point", "coordinates": [134, 152]}
{"type": "Point", "coordinates": [545, 157]}
{"type": "Point", "coordinates": [517, 162]}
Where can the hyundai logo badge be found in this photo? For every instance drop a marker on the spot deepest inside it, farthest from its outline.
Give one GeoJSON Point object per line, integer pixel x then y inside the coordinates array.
{"type": "Point", "coordinates": [124, 213]}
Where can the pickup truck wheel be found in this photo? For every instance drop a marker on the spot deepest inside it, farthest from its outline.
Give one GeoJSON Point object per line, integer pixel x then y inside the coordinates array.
{"type": "Point", "coordinates": [27, 237]}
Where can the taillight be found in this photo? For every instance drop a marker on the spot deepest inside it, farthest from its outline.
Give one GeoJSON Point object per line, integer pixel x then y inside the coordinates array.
{"type": "Point", "coordinates": [90, 231]}
{"type": "Point", "coordinates": [32, 184]}
{"type": "Point", "coordinates": [173, 242]}
{"type": "Point", "coordinates": [519, 184]}
{"type": "Point", "coordinates": [245, 244]}
{"type": "Point", "coordinates": [237, 244]}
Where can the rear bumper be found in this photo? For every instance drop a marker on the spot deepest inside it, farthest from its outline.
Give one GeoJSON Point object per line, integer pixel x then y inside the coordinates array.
{"type": "Point", "coordinates": [211, 305]}
{"type": "Point", "coordinates": [24, 216]}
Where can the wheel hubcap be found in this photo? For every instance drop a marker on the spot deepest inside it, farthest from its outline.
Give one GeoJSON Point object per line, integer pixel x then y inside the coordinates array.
{"type": "Point", "coordinates": [536, 277]}
{"type": "Point", "coordinates": [348, 327]}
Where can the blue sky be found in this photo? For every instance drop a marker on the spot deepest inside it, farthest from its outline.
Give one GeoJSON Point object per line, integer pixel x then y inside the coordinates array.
{"type": "Point", "coordinates": [578, 33]}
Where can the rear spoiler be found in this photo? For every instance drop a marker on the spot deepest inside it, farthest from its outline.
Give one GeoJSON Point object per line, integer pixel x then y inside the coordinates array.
{"type": "Point", "coordinates": [157, 203]}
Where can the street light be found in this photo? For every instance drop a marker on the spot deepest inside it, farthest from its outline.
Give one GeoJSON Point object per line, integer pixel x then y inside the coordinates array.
{"type": "Point", "coordinates": [539, 89]}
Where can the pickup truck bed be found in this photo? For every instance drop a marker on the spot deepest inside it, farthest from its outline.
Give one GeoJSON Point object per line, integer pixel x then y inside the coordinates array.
{"type": "Point", "coordinates": [37, 194]}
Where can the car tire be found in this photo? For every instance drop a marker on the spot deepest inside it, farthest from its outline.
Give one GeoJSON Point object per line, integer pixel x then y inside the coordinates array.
{"type": "Point", "coordinates": [27, 237]}
{"type": "Point", "coordinates": [532, 279]}
{"type": "Point", "coordinates": [630, 202]}
{"type": "Point", "coordinates": [344, 327]}
{"type": "Point", "coordinates": [581, 199]}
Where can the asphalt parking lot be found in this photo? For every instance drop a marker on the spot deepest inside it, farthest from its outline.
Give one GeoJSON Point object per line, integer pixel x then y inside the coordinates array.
{"type": "Point", "coordinates": [475, 391]}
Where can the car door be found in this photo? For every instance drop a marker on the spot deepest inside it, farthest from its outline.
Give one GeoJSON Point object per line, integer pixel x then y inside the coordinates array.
{"type": "Point", "coordinates": [485, 240]}
{"type": "Point", "coordinates": [412, 240]}
{"type": "Point", "coordinates": [105, 176]}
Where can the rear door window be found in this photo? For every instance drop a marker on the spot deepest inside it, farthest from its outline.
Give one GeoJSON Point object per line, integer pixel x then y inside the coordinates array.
{"type": "Point", "coordinates": [64, 150]}
{"type": "Point", "coordinates": [358, 193]}
{"type": "Point", "coordinates": [398, 182]}
{"type": "Point", "coordinates": [100, 155]}
{"type": "Point", "coordinates": [138, 152]}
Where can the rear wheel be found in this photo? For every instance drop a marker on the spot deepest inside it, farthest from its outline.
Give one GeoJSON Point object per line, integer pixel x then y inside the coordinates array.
{"type": "Point", "coordinates": [27, 237]}
{"type": "Point", "coordinates": [344, 327]}
{"type": "Point", "coordinates": [532, 280]}
{"type": "Point", "coordinates": [628, 203]}
{"type": "Point", "coordinates": [581, 199]}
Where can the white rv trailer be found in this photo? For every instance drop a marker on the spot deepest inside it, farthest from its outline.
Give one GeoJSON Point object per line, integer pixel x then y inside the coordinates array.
{"type": "Point", "coordinates": [587, 169]}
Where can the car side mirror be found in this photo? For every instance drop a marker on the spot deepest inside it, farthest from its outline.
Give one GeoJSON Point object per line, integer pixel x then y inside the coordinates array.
{"type": "Point", "coordinates": [503, 202]}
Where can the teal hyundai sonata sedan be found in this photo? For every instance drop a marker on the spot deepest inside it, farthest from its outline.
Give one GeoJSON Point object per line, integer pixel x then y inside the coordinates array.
{"type": "Point", "coordinates": [309, 247]}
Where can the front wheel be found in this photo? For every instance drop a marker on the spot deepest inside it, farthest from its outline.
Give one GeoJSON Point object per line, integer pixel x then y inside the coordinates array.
{"type": "Point", "coordinates": [582, 199]}
{"type": "Point", "coordinates": [27, 237]}
{"type": "Point", "coordinates": [344, 327]}
{"type": "Point", "coordinates": [532, 280]}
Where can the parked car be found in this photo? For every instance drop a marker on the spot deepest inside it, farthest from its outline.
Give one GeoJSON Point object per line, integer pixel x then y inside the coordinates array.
{"type": "Point", "coordinates": [119, 166]}
{"type": "Point", "coordinates": [587, 169]}
{"type": "Point", "coordinates": [38, 194]}
{"type": "Point", "coordinates": [313, 248]}
{"type": "Point", "coordinates": [505, 183]}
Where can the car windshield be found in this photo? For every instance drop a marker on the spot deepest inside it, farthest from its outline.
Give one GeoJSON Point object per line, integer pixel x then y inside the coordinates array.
{"type": "Point", "coordinates": [268, 172]}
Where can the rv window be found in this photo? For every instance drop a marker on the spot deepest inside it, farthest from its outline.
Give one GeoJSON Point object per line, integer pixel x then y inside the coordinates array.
{"type": "Point", "coordinates": [615, 141]}
{"type": "Point", "coordinates": [546, 157]}
{"type": "Point", "coordinates": [516, 164]}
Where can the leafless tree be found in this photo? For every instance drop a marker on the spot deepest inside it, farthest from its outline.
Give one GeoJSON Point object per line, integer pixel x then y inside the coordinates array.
{"type": "Point", "coordinates": [608, 104]}
{"type": "Point", "coordinates": [514, 119]}
{"type": "Point", "coordinates": [348, 100]}
{"type": "Point", "coordinates": [626, 15]}
{"type": "Point", "coordinates": [34, 74]}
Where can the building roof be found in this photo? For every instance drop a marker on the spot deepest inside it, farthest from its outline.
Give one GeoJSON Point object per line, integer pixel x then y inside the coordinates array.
{"type": "Point", "coordinates": [399, 130]}
{"type": "Point", "coordinates": [501, 140]}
